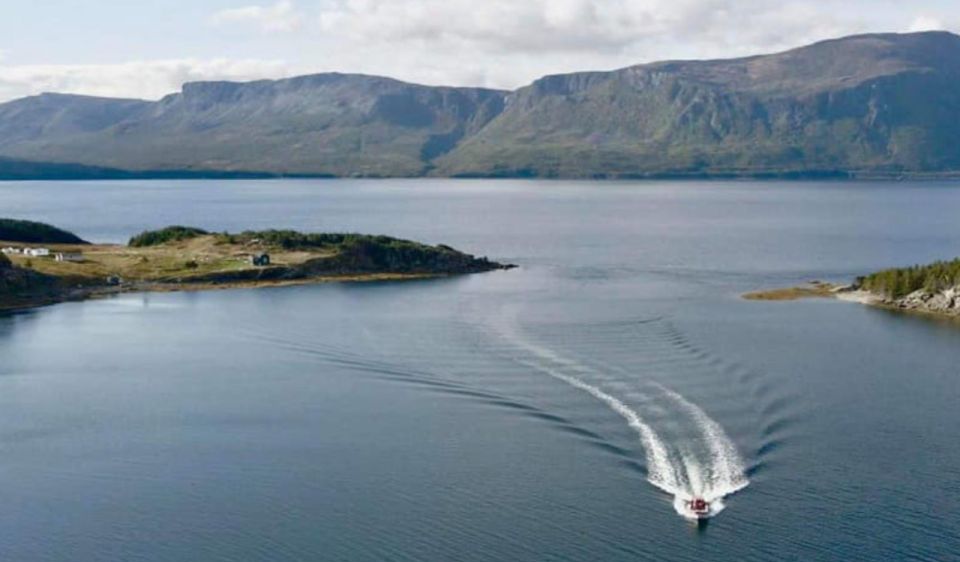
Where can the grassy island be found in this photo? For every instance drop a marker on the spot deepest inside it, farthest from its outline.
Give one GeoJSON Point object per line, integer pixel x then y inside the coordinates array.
{"type": "Point", "coordinates": [37, 271]}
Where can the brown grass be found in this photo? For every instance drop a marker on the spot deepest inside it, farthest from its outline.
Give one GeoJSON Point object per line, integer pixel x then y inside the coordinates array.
{"type": "Point", "coordinates": [197, 257]}
{"type": "Point", "coordinates": [813, 290]}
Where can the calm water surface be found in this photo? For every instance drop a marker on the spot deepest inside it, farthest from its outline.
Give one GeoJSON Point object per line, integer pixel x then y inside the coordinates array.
{"type": "Point", "coordinates": [551, 412]}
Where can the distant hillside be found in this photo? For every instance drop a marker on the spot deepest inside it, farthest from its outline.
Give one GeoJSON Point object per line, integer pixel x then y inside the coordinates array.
{"type": "Point", "coordinates": [883, 104]}
{"type": "Point", "coordinates": [875, 103]}
{"type": "Point", "coordinates": [329, 124]}
{"type": "Point", "coordinates": [29, 232]}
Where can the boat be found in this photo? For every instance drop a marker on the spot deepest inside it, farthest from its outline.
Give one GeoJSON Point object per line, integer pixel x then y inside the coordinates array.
{"type": "Point", "coordinates": [698, 508]}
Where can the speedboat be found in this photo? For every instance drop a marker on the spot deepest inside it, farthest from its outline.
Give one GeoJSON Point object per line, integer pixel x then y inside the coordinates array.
{"type": "Point", "coordinates": [698, 508]}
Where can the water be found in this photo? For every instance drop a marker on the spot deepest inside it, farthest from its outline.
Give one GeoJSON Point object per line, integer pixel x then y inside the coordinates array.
{"type": "Point", "coordinates": [561, 411]}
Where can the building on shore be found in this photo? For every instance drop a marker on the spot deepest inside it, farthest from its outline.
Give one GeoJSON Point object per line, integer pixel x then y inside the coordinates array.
{"type": "Point", "coordinates": [37, 252]}
{"type": "Point", "coordinates": [74, 257]}
{"type": "Point", "coordinates": [261, 260]}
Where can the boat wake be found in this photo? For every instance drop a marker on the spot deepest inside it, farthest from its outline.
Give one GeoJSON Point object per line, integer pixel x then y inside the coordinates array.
{"type": "Point", "coordinates": [704, 465]}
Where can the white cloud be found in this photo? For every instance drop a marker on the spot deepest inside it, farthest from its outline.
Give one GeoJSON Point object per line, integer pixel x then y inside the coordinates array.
{"type": "Point", "coordinates": [507, 43]}
{"type": "Point", "coordinates": [926, 23]}
{"type": "Point", "coordinates": [546, 26]}
{"type": "Point", "coordinates": [143, 79]}
{"type": "Point", "coordinates": [495, 43]}
{"type": "Point", "coordinates": [279, 17]}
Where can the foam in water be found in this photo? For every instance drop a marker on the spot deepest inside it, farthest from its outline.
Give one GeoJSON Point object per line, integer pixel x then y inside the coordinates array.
{"type": "Point", "coordinates": [660, 470]}
{"type": "Point", "coordinates": [678, 472]}
{"type": "Point", "coordinates": [726, 471]}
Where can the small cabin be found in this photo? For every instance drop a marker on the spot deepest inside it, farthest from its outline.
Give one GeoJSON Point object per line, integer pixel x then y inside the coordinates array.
{"type": "Point", "coordinates": [74, 257]}
{"type": "Point", "coordinates": [11, 251]}
{"type": "Point", "coordinates": [261, 260]}
{"type": "Point", "coordinates": [37, 252]}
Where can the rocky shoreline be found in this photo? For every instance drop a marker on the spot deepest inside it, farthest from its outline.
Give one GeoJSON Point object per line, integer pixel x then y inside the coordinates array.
{"type": "Point", "coordinates": [941, 303]}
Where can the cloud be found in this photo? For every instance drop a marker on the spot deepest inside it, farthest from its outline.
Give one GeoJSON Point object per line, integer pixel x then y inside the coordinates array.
{"type": "Point", "coordinates": [279, 17]}
{"type": "Point", "coordinates": [507, 43]}
{"type": "Point", "coordinates": [926, 23]}
{"type": "Point", "coordinates": [494, 43]}
{"type": "Point", "coordinates": [547, 26]}
{"type": "Point", "coordinates": [139, 79]}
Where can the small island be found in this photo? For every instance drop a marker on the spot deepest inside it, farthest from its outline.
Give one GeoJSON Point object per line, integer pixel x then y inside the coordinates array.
{"type": "Point", "coordinates": [41, 264]}
{"type": "Point", "coordinates": [933, 289]}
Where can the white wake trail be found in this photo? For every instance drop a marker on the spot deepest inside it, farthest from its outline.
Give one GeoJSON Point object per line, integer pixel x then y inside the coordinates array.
{"type": "Point", "coordinates": [726, 472]}
{"type": "Point", "coordinates": [660, 471]}
{"type": "Point", "coordinates": [681, 474]}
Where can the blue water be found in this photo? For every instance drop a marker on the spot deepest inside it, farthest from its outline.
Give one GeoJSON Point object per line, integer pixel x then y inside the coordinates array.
{"type": "Point", "coordinates": [550, 412]}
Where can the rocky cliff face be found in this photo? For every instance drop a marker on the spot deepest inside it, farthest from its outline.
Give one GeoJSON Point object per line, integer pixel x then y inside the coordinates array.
{"type": "Point", "coordinates": [881, 103]}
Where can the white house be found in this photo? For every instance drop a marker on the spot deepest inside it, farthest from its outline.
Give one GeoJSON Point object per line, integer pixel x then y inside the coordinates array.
{"type": "Point", "coordinates": [68, 256]}
{"type": "Point", "coordinates": [11, 251]}
{"type": "Point", "coordinates": [37, 252]}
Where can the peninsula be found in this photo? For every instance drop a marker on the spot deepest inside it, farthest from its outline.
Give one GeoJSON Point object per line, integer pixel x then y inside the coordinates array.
{"type": "Point", "coordinates": [933, 289]}
{"type": "Point", "coordinates": [41, 264]}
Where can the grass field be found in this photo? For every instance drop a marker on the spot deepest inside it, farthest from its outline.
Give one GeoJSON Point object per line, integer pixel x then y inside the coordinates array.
{"type": "Point", "coordinates": [813, 290]}
{"type": "Point", "coordinates": [194, 258]}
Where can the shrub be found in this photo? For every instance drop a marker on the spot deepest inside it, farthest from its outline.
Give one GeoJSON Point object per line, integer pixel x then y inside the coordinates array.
{"type": "Point", "coordinates": [165, 236]}
{"type": "Point", "coordinates": [12, 230]}
{"type": "Point", "coordinates": [293, 240]}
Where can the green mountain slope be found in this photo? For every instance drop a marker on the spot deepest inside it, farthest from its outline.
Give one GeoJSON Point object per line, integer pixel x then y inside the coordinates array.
{"type": "Point", "coordinates": [881, 103]}
{"type": "Point", "coordinates": [868, 104]}
{"type": "Point", "coordinates": [329, 124]}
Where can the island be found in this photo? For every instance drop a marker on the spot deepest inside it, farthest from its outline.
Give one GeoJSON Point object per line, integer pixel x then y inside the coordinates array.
{"type": "Point", "coordinates": [932, 289]}
{"type": "Point", "coordinates": [41, 264]}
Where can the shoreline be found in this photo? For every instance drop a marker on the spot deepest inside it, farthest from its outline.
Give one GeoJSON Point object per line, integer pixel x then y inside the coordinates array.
{"type": "Point", "coordinates": [789, 176]}
{"type": "Point", "coordinates": [910, 304]}
{"type": "Point", "coordinates": [101, 292]}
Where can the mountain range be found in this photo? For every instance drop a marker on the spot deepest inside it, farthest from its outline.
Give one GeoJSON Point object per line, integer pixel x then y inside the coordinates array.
{"type": "Point", "coordinates": [866, 105]}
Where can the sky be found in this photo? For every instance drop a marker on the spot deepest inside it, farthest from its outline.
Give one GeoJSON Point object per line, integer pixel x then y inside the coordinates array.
{"type": "Point", "coordinates": [149, 48]}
